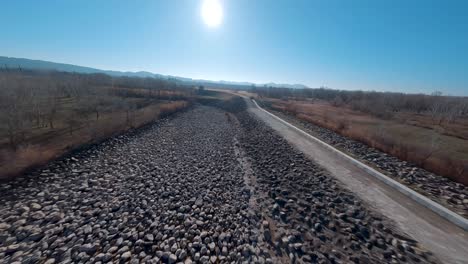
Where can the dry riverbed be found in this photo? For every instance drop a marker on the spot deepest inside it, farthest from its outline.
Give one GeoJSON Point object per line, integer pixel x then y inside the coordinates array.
{"type": "Point", "coordinates": [204, 186]}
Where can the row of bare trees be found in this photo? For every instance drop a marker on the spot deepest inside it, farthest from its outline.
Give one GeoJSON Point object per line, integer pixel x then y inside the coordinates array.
{"type": "Point", "coordinates": [382, 104]}
{"type": "Point", "coordinates": [34, 100]}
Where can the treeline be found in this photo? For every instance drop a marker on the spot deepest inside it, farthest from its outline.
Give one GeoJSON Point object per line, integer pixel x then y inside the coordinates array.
{"type": "Point", "coordinates": [381, 104]}
{"type": "Point", "coordinates": [32, 101]}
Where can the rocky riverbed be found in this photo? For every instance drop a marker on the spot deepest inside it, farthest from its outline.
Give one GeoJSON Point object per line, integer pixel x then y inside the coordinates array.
{"type": "Point", "coordinates": [451, 194]}
{"type": "Point", "coordinates": [204, 187]}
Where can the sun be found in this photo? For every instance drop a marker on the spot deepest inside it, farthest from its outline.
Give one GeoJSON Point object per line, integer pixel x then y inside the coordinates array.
{"type": "Point", "coordinates": [212, 13]}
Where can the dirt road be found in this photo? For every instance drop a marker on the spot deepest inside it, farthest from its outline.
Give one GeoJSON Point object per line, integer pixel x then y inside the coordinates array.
{"type": "Point", "coordinates": [205, 186]}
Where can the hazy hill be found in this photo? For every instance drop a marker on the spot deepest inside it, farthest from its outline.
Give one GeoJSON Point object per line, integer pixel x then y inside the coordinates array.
{"type": "Point", "coordinates": [10, 62]}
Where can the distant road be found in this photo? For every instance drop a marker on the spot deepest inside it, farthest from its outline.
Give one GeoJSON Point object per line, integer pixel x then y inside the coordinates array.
{"type": "Point", "coordinates": [445, 239]}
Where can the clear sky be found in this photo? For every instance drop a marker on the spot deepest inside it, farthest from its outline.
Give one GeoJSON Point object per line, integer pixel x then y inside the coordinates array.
{"type": "Point", "coordinates": [392, 45]}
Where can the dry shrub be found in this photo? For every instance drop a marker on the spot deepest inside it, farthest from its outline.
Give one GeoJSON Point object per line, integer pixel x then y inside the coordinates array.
{"type": "Point", "coordinates": [13, 162]}
{"type": "Point", "coordinates": [292, 108]}
{"type": "Point", "coordinates": [342, 125]}
{"type": "Point", "coordinates": [461, 171]}
{"type": "Point", "coordinates": [456, 170]}
{"type": "Point", "coordinates": [337, 125]}
{"type": "Point", "coordinates": [401, 150]}
{"type": "Point", "coordinates": [326, 117]}
{"type": "Point", "coordinates": [312, 120]}
{"type": "Point", "coordinates": [169, 108]}
{"type": "Point", "coordinates": [276, 107]}
{"type": "Point", "coordinates": [337, 101]}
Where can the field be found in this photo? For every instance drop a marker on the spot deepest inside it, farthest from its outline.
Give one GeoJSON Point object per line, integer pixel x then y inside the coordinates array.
{"type": "Point", "coordinates": [45, 115]}
{"type": "Point", "coordinates": [415, 137]}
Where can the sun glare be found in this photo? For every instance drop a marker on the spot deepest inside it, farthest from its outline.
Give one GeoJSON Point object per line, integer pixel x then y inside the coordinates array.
{"type": "Point", "coordinates": [212, 13]}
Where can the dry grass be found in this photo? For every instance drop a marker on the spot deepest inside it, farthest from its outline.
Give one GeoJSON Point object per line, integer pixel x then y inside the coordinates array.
{"type": "Point", "coordinates": [14, 162]}
{"type": "Point", "coordinates": [409, 136]}
{"type": "Point", "coordinates": [457, 128]}
{"type": "Point", "coordinates": [52, 144]}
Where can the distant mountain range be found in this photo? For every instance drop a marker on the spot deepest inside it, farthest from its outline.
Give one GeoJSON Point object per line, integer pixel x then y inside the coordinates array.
{"type": "Point", "coordinates": [10, 62]}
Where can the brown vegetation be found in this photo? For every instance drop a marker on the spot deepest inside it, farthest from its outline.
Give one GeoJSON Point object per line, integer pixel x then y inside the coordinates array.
{"type": "Point", "coordinates": [411, 136]}
{"type": "Point", "coordinates": [45, 114]}
{"type": "Point", "coordinates": [442, 110]}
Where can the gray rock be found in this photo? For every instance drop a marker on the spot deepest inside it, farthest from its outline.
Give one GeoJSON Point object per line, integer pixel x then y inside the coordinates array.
{"type": "Point", "coordinates": [88, 249]}
{"type": "Point", "coordinates": [50, 261]}
{"type": "Point", "coordinates": [149, 237]}
{"type": "Point", "coordinates": [172, 258]}
{"type": "Point", "coordinates": [35, 206]}
{"type": "Point", "coordinates": [126, 256]}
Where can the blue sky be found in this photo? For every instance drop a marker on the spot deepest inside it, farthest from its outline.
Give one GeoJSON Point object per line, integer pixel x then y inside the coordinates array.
{"type": "Point", "coordinates": [409, 46]}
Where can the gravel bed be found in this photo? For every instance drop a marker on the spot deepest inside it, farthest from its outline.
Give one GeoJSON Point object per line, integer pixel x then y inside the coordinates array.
{"type": "Point", "coordinates": [451, 194]}
{"type": "Point", "coordinates": [201, 187]}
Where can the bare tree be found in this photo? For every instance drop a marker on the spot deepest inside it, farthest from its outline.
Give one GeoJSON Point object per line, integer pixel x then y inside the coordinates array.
{"type": "Point", "coordinates": [13, 113]}
{"type": "Point", "coordinates": [72, 121]}
{"type": "Point", "coordinates": [52, 106]}
{"type": "Point", "coordinates": [434, 146]}
{"type": "Point", "coordinates": [33, 100]}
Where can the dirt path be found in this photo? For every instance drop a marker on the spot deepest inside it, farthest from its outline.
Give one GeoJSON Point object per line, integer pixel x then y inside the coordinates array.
{"type": "Point", "coordinates": [443, 238]}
